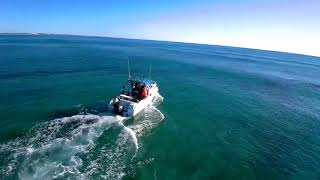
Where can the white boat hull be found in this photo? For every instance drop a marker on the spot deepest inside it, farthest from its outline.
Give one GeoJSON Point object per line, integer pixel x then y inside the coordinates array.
{"type": "Point", "coordinates": [128, 108]}
{"type": "Point", "coordinates": [143, 104]}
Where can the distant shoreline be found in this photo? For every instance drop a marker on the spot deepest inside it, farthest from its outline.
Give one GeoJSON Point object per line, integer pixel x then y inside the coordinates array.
{"type": "Point", "coordinates": [14, 34]}
{"type": "Point", "coordinates": [18, 33]}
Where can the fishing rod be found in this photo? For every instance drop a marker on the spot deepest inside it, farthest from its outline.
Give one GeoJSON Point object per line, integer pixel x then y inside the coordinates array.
{"type": "Point", "coordinates": [129, 68]}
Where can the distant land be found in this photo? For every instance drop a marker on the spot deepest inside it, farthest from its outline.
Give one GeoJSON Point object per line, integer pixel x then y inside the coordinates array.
{"type": "Point", "coordinates": [29, 34]}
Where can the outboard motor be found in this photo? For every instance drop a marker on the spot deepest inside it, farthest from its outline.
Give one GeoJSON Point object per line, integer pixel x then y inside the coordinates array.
{"type": "Point", "coordinates": [114, 104]}
{"type": "Point", "coordinates": [119, 110]}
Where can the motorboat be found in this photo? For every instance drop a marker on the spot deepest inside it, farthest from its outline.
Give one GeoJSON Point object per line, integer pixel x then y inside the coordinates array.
{"type": "Point", "coordinates": [141, 92]}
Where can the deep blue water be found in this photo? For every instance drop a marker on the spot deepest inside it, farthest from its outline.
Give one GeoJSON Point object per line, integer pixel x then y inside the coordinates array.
{"type": "Point", "coordinates": [227, 113]}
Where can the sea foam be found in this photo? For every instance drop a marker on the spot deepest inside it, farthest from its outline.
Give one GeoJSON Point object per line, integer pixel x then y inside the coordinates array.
{"type": "Point", "coordinates": [80, 146]}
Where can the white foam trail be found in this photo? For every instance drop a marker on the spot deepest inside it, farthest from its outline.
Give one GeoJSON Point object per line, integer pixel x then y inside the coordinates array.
{"type": "Point", "coordinates": [130, 131]}
{"type": "Point", "coordinates": [55, 148]}
{"type": "Point", "coordinates": [112, 163]}
{"type": "Point", "coordinates": [150, 119]}
{"type": "Point", "coordinates": [133, 135]}
{"type": "Point", "coordinates": [58, 156]}
{"type": "Point", "coordinates": [69, 147]}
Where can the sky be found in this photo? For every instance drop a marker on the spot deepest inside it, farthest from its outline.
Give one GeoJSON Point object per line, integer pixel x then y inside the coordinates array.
{"type": "Point", "coordinates": [279, 25]}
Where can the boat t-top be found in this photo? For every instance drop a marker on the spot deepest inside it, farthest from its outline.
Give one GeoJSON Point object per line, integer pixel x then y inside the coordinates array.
{"type": "Point", "coordinates": [140, 94]}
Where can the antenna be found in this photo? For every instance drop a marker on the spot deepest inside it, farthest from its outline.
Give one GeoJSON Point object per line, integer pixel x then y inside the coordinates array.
{"type": "Point", "coordinates": [129, 68]}
{"type": "Point", "coordinates": [150, 70]}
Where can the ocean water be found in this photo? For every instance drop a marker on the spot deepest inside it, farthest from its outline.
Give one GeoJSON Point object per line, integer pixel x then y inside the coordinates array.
{"type": "Point", "coordinates": [225, 113]}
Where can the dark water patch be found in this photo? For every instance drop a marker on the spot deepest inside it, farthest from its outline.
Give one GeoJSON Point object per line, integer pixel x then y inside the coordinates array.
{"type": "Point", "coordinates": [95, 108]}
{"type": "Point", "coordinates": [49, 73]}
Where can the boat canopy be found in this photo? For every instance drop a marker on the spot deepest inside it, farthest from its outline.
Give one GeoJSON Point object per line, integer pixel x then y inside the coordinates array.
{"type": "Point", "coordinates": [148, 82]}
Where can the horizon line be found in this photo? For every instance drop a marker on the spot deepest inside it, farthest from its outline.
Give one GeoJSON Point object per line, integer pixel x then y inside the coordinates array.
{"type": "Point", "coordinates": [158, 40]}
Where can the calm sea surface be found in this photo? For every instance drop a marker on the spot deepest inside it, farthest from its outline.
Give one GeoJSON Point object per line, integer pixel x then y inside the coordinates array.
{"type": "Point", "coordinates": [226, 113]}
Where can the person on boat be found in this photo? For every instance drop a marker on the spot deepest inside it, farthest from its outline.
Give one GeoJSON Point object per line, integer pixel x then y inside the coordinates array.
{"type": "Point", "coordinates": [144, 93]}
{"type": "Point", "coordinates": [134, 90]}
{"type": "Point", "coordinates": [134, 93]}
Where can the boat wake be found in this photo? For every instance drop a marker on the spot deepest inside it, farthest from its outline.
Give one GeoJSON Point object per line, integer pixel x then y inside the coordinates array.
{"type": "Point", "coordinates": [77, 147]}
{"type": "Point", "coordinates": [151, 118]}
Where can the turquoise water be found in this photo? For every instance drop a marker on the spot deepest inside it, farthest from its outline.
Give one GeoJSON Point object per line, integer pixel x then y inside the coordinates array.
{"type": "Point", "coordinates": [226, 113]}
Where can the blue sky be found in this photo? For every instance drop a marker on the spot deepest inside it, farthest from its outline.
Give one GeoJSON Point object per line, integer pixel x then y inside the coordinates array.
{"type": "Point", "coordinates": [281, 25]}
